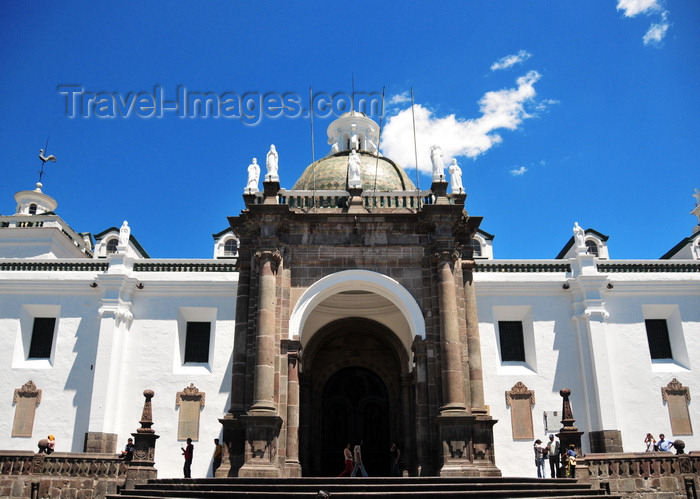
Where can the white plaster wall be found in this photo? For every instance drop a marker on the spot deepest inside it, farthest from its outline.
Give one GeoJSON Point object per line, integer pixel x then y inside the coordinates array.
{"type": "Point", "coordinates": [638, 380]}
{"type": "Point", "coordinates": [152, 348]}
{"type": "Point", "coordinates": [66, 383]}
{"type": "Point", "coordinates": [557, 366]}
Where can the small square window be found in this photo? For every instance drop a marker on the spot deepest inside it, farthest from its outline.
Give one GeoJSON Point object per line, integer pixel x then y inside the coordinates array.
{"type": "Point", "coordinates": [512, 343]}
{"type": "Point", "coordinates": [659, 342]}
{"type": "Point", "coordinates": [197, 342]}
{"type": "Point", "coordinates": [42, 337]}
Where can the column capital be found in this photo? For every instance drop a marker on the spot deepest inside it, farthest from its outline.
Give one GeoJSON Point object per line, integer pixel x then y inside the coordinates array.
{"type": "Point", "coordinates": [273, 254]}
{"type": "Point", "coordinates": [446, 256]}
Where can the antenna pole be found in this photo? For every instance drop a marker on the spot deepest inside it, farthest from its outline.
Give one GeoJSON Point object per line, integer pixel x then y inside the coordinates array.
{"type": "Point", "coordinates": [313, 154]}
{"type": "Point", "coordinates": [379, 141]}
{"type": "Point", "coordinates": [352, 101]}
{"type": "Point", "coordinates": [415, 146]}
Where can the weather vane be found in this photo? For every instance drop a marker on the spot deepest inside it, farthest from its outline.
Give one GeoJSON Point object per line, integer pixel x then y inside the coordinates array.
{"type": "Point", "coordinates": [44, 158]}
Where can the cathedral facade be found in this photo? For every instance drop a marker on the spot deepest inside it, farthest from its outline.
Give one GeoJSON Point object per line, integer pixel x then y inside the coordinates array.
{"type": "Point", "coordinates": [350, 308]}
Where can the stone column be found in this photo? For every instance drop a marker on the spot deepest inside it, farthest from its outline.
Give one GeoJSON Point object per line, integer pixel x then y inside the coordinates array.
{"type": "Point", "coordinates": [423, 423]}
{"type": "Point", "coordinates": [262, 423]}
{"type": "Point", "coordinates": [292, 464]}
{"type": "Point", "coordinates": [452, 388]}
{"type": "Point", "coordinates": [264, 381]}
{"type": "Point", "coordinates": [569, 434]}
{"type": "Point", "coordinates": [476, 377]}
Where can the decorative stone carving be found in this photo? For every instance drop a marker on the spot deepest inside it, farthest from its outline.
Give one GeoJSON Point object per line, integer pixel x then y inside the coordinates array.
{"type": "Point", "coordinates": [438, 165]}
{"type": "Point", "coordinates": [354, 170]}
{"type": "Point", "coordinates": [677, 397]}
{"type": "Point", "coordinates": [273, 255]}
{"type": "Point", "coordinates": [190, 400]}
{"type": "Point", "coordinates": [521, 400]}
{"type": "Point", "coordinates": [25, 399]}
{"type": "Point", "coordinates": [446, 256]}
{"type": "Point", "coordinates": [124, 234]}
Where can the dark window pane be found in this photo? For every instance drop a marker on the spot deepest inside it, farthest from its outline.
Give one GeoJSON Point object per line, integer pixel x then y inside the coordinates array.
{"type": "Point", "coordinates": [659, 343]}
{"type": "Point", "coordinates": [591, 248]}
{"type": "Point", "coordinates": [476, 246]}
{"type": "Point", "coordinates": [197, 342]}
{"type": "Point", "coordinates": [230, 247]}
{"type": "Point", "coordinates": [42, 337]}
{"type": "Point", "coordinates": [512, 345]}
{"type": "Point", "coordinates": [112, 245]}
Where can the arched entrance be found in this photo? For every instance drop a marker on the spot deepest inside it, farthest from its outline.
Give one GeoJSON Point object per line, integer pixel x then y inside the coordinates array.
{"type": "Point", "coordinates": [351, 390]}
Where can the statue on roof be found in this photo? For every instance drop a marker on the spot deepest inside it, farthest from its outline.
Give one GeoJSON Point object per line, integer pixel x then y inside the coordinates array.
{"type": "Point", "coordinates": [253, 177]}
{"type": "Point", "coordinates": [124, 233]}
{"type": "Point", "coordinates": [579, 236]}
{"type": "Point", "coordinates": [354, 166]}
{"type": "Point", "coordinates": [438, 165]}
{"type": "Point", "coordinates": [697, 196]}
{"type": "Point", "coordinates": [456, 177]}
{"type": "Point", "coordinates": [271, 163]}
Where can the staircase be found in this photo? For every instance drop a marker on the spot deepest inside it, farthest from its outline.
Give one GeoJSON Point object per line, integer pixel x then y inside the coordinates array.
{"type": "Point", "coordinates": [397, 488]}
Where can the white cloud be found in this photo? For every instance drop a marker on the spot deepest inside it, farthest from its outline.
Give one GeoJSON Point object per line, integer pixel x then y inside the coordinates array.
{"type": "Point", "coordinates": [510, 60]}
{"type": "Point", "coordinates": [657, 31]}
{"type": "Point", "coordinates": [501, 109]}
{"type": "Point", "coordinates": [633, 7]}
{"type": "Point", "coordinates": [399, 98]}
{"type": "Point", "coordinates": [518, 171]}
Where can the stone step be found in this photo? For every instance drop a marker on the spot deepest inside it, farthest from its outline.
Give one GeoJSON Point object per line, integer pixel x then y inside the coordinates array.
{"type": "Point", "coordinates": [346, 488]}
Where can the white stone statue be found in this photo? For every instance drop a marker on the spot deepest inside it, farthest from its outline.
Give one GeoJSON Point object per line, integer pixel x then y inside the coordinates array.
{"type": "Point", "coordinates": [579, 235]}
{"type": "Point", "coordinates": [124, 234]}
{"type": "Point", "coordinates": [697, 196]}
{"type": "Point", "coordinates": [271, 163]}
{"type": "Point", "coordinates": [253, 177]}
{"type": "Point", "coordinates": [354, 167]}
{"type": "Point", "coordinates": [456, 177]}
{"type": "Point", "coordinates": [438, 165]}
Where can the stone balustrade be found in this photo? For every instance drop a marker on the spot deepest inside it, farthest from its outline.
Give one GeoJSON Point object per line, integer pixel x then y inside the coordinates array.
{"type": "Point", "coordinates": [61, 474]}
{"type": "Point", "coordinates": [643, 474]}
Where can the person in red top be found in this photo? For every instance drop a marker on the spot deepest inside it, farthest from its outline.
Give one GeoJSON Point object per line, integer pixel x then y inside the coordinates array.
{"type": "Point", "coordinates": [188, 452]}
{"type": "Point", "coordinates": [348, 461]}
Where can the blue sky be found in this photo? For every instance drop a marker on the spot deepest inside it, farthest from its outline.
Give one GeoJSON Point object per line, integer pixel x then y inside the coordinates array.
{"type": "Point", "coordinates": [556, 111]}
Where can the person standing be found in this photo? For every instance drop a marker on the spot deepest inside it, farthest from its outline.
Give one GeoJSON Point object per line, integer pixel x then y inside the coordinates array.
{"type": "Point", "coordinates": [650, 443]}
{"type": "Point", "coordinates": [539, 458]}
{"type": "Point", "coordinates": [188, 452]}
{"type": "Point", "coordinates": [217, 456]}
{"type": "Point", "coordinates": [553, 456]}
{"type": "Point", "coordinates": [571, 461]}
{"type": "Point", "coordinates": [347, 454]}
{"type": "Point", "coordinates": [664, 445]}
{"type": "Point", "coordinates": [395, 459]}
{"type": "Point", "coordinates": [358, 461]}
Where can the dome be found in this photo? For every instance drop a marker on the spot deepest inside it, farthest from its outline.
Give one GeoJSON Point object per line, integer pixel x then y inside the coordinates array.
{"type": "Point", "coordinates": [331, 173]}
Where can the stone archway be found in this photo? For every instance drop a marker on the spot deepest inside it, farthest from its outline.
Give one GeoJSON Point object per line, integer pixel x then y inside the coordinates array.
{"type": "Point", "coordinates": [351, 390]}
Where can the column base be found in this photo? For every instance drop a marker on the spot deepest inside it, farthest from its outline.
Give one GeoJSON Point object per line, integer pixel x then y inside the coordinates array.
{"type": "Point", "coordinates": [261, 443]}
{"type": "Point", "coordinates": [467, 445]}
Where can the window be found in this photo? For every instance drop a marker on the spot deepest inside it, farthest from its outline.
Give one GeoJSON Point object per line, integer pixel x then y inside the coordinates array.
{"type": "Point", "coordinates": [197, 342]}
{"type": "Point", "coordinates": [476, 246]}
{"type": "Point", "coordinates": [42, 337]}
{"type": "Point", "coordinates": [591, 248]}
{"type": "Point", "coordinates": [32, 209]}
{"type": "Point", "coordinates": [230, 247]}
{"type": "Point", "coordinates": [659, 341]}
{"type": "Point", "coordinates": [512, 343]}
{"type": "Point", "coordinates": [112, 246]}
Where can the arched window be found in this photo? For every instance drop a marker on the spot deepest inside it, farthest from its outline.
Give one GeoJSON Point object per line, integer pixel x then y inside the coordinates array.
{"type": "Point", "coordinates": [476, 246]}
{"type": "Point", "coordinates": [230, 247]}
{"type": "Point", "coordinates": [591, 248]}
{"type": "Point", "coordinates": [32, 209]}
{"type": "Point", "coordinates": [112, 245]}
